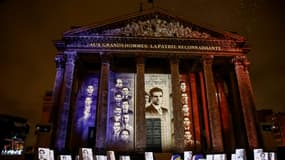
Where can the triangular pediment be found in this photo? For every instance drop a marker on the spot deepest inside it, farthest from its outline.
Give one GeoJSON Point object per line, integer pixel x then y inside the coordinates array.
{"type": "Point", "coordinates": [154, 23]}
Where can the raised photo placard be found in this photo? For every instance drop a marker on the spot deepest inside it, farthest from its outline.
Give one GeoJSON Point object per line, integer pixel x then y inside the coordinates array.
{"type": "Point", "coordinates": [148, 155]}
{"type": "Point", "coordinates": [85, 154]}
{"type": "Point", "coordinates": [43, 153]}
{"type": "Point", "coordinates": [65, 157]}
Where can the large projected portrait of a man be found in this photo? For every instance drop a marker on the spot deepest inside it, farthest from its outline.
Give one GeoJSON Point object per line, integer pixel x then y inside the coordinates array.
{"type": "Point", "coordinates": [158, 111]}
{"type": "Point", "coordinates": [156, 98]}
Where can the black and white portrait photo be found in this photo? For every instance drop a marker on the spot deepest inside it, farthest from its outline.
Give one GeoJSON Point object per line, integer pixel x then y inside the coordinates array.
{"type": "Point", "coordinates": [156, 102]}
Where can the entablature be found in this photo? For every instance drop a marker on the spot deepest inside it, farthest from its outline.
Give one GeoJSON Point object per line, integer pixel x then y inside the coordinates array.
{"type": "Point", "coordinates": [103, 43]}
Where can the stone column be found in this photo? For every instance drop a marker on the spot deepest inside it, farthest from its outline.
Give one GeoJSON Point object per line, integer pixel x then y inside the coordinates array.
{"type": "Point", "coordinates": [176, 103]}
{"type": "Point", "coordinates": [196, 116]}
{"type": "Point", "coordinates": [213, 107]}
{"type": "Point", "coordinates": [206, 139]}
{"type": "Point", "coordinates": [140, 130]}
{"type": "Point", "coordinates": [247, 100]}
{"type": "Point", "coordinates": [227, 127]}
{"type": "Point", "coordinates": [60, 65]}
{"type": "Point", "coordinates": [63, 116]}
{"type": "Point", "coordinates": [102, 109]}
{"type": "Point", "coordinates": [238, 121]}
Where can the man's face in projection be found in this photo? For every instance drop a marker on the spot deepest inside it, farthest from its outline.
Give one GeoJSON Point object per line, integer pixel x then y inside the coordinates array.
{"type": "Point", "coordinates": [185, 108]}
{"type": "Point", "coordinates": [118, 98]}
{"type": "Point", "coordinates": [125, 106]}
{"type": "Point", "coordinates": [119, 83]}
{"type": "Point", "coordinates": [116, 127]}
{"type": "Point", "coordinates": [117, 117]}
{"type": "Point", "coordinates": [90, 90]}
{"type": "Point", "coordinates": [183, 86]}
{"type": "Point", "coordinates": [126, 118]}
{"type": "Point", "coordinates": [146, 97]}
{"type": "Point", "coordinates": [117, 111]}
{"type": "Point", "coordinates": [125, 91]}
{"type": "Point", "coordinates": [187, 135]}
{"type": "Point", "coordinates": [186, 121]}
{"type": "Point", "coordinates": [156, 98]}
{"type": "Point", "coordinates": [125, 135]}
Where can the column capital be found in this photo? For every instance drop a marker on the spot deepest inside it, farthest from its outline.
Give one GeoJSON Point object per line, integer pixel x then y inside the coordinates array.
{"type": "Point", "coordinates": [174, 59]}
{"type": "Point", "coordinates": [71, 57]}
{"type": "Point", "coordinates": [208, 59]}
{"type": "Point", "coordinates": [59, 61]}
{"type": "Point", "coordinates": [241, 61]}
{"type": "Point", "coordinates": [105, 58]}
{"type": "Point", "coordinates": [140, 59]}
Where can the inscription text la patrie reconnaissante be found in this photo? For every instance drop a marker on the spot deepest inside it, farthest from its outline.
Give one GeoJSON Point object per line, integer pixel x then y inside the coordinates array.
{"type": "Point", "coordinates": [153, 46]}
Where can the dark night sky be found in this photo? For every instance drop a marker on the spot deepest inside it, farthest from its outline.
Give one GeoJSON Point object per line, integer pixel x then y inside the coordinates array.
{"type": "Point", "coordinates": [28, 27]}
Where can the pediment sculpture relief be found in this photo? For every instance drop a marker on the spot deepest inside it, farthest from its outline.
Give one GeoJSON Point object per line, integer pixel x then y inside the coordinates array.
{"type": "Point", "coordinates": [156, 28]}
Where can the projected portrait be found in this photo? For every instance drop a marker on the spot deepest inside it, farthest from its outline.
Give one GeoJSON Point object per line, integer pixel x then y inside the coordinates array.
{"type": "Point", "coordinates": [126, 122]}
{"type": "Point", "coordinates": [90, 90]}
{"type": "Point", "coordinates": [147, 99]}
{"type": "Point", "coordinates": [116, 131]}
{"type": "Point", "coordinates": [183, 86]}
{"type": "Point", "coordinates": [119, 83]}
{"type": "Point", "coordinates": [186, 123]}
{"type": "Point", "coordinates": [85, 110]}
{"type": "Point", "coordinates": [125, 136]}
{"type": "Point", "coordinates": [126, 93]}
{"type": "Point", "coordinates": [118, 98]}
{"type": "Point", "coordinates": [117, 110]}
{"type": "Point", "coordinates": [188, 139]}
{"type": "Point", "coordinates": [126, 107]}
{"type": "Point", "coordinates": [158, 110]}
{"type": "Point", "coordinates": [121, 110]}
{"type": "Point", "coordinates": [156, 106]}
{"type": "Point", "coordinates": [186, 111]}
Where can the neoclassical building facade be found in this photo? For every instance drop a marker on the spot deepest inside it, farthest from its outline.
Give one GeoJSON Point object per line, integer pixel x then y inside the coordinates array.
{"type": "Point", "coordinates": [152, 82]}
